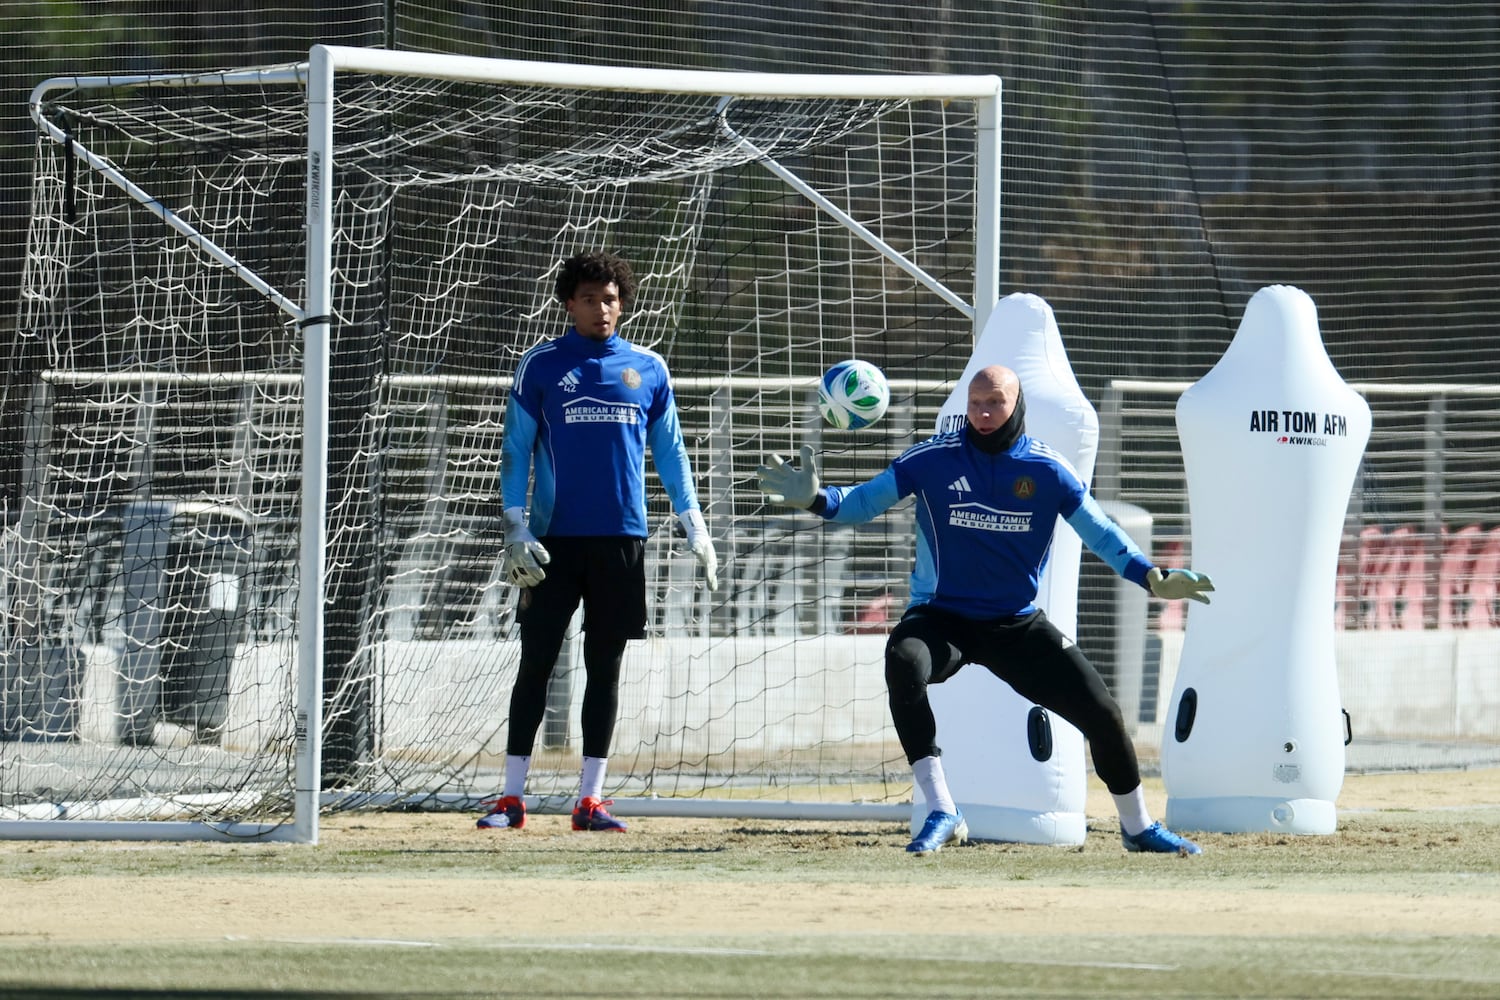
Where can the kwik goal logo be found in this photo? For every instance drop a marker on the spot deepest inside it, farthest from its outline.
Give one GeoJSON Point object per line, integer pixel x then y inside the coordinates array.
{"type": "Point", "coordinates": [1301, 427]}
{"type": "Point", "coordinates": [569, 382]}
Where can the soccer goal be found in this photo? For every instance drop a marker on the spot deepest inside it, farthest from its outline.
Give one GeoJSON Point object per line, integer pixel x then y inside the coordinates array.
{"type": "Point", "coordinates": [268, 322]}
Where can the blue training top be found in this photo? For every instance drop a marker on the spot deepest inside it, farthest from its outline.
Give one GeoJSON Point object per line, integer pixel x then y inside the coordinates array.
{"type": "Point", "coordinates": [985, 522]}
{"type": "Point", "coordinates": [584, 411]}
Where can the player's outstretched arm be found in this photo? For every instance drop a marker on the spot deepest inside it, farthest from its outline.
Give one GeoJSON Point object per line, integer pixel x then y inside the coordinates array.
{"type": "Point", "coordinates": [784, 483]}
{"type": "Point", "coordinates": [1179, 584]}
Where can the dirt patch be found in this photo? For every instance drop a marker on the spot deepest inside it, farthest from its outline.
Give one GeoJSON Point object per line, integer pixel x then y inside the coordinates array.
{"type": "Point", "coordinates": [1414, 851]}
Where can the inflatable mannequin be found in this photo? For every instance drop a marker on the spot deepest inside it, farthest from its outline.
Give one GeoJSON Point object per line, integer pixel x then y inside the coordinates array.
{"type": "Point", "coordinates": [1017, 772]}
{"type": "Point", "coordinates": [1271, 440]}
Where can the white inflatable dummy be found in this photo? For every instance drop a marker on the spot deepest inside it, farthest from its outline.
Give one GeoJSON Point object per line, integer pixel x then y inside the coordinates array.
{"type": "Point", "coordinates": [1271, 441]}
{"type": "Point", "coordinates": [987, 731]}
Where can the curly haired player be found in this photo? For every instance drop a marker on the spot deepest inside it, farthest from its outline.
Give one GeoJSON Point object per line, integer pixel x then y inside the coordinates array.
{"type": "Point", "coordinates": [583, 409]}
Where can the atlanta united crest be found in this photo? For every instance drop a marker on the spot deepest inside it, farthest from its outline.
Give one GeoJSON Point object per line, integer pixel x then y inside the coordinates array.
{"type": "Point", "coordinates": [1024, 488]}
{"type": "Point", "coordinates": [631, 378]}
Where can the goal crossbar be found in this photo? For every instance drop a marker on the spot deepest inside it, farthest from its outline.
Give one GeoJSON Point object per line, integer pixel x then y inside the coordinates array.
{"type": "Point", "coordinates": [984, 89]}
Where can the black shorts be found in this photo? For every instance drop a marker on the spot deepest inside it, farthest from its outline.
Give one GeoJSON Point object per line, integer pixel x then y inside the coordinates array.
{"type": "Point", "coordinates": [608, 574]}
{"type": "Point", "coordinates": [1027, 652]}
{"type": "Point", "coordinates": [1041, 664]}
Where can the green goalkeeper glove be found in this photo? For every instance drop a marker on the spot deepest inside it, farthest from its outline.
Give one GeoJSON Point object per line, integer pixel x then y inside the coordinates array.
{"type": "Point", "coordinates": [702, 546]}
{"type": "Point", "coordinates": [1177, 584]}
{"type": "Point", "coordinates": [524, 555]}
{"type": "Point", "coordinates": [786, 484]}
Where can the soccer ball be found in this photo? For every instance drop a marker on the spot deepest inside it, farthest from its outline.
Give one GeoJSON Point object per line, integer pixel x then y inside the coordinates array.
{"type": "Point", "coordinates": [853, 394]}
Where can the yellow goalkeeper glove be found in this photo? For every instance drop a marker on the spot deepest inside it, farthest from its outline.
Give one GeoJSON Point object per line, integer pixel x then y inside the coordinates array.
{"type": "Point", "coordinates": [702, 546]}
{"type": "Point", "coordinates": [524, 555]}
{"type": "Point", "coordinates": [787, 484]}
{"type": "Point", "coordinates": [1179, 584]}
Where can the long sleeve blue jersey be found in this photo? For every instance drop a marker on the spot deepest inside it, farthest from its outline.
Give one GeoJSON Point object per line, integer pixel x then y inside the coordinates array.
{"type": "Point", "coordinates": [583, 412]}
{"type": "Point", "coordinates": [985, 521]}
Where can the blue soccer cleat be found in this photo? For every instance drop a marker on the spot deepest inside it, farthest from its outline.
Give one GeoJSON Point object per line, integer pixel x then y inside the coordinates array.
{"type": "Point", "coordinates": [940, 828]}
{"type": "Point", "coordinates": [1157, 839]}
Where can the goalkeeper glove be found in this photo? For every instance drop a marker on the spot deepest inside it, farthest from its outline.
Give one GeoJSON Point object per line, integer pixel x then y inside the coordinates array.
{"type": "Point", "coordinates": [786, 484]}
{"type": "Point", "coordinates": [702, 546]}
{"type": "Point", "coordinates": [524, 555]}
{"type": "Point", "coordinates": [1177, 584]}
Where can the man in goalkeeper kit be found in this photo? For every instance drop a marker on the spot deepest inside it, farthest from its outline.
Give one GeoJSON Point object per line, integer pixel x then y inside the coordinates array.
{"type": "Point", "coordinates": [988, 497]}
{"type": "Point", "coordinates": [582, 411]}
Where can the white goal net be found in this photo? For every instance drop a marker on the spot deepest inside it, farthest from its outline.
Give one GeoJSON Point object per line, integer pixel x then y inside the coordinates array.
{"type": "Point", "coordinates": [265, 346]}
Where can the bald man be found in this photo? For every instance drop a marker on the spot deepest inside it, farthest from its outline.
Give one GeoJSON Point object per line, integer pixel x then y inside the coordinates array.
{"type": "Point", "coordinates": [988, 498]}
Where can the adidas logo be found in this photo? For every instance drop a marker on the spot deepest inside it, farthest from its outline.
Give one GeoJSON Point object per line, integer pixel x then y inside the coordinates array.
{"type": "Point", "coordinates": [569, 382]}
{"type": "Point", "coordinates": [960, 485]}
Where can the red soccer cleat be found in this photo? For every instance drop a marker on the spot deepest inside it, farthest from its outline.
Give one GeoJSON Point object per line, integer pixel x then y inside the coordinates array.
{"type": "Point", "coordinates": [591, 815]}
{"type": "Point", "coordinates": [508, 813]}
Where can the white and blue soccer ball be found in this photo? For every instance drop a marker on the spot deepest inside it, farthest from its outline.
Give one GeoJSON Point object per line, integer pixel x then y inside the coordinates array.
{"type": "Point", "coordinates": [853, 394]}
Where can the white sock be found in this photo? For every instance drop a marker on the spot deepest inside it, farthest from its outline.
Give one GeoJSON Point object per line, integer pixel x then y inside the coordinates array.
{"type": "Point", "coordinates": [1132, 809]}
{"type": "Point", "coordinates": [928, 773]}
{"type": "Point", "coordinates": [516, 769]}
{"type": "Point", "coordinates": [591, 782]}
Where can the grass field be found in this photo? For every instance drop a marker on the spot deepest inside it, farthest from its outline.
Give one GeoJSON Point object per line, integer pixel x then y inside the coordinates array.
{"type": "Point", "coordinates": [1403, 901]}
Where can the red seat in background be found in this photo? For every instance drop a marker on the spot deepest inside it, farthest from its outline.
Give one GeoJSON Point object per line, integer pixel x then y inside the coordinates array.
{"type": "Point", "coordinates": [1455, 569]}
{"type": "Point", "coordinates": [1392, 569]}
{"type": "Point", "coordinates": [1484, 579]}
{"type": "Point", "coordinates": [1408, 571]}
{"type": "Point", "coordinates": [1377, 592]}
{"type": "Point", "coordinates": [1346, 584]}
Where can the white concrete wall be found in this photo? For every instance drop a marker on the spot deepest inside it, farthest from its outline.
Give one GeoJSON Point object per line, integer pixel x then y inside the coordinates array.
{"type": "Point", "coordinates": [1437, 685]}
{"type": "Point", "coordinates": [767, 694]}
{"type": "Point", "coordinates": [688, 697]}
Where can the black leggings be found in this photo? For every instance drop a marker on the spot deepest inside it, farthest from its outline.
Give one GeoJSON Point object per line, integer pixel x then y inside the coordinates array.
{"type": "Point", "coordinates": [608, 575]}
{"type": "Point", "coordinates": [1031, 655]}
{"type": "Point", "coordinates": [602, 656]}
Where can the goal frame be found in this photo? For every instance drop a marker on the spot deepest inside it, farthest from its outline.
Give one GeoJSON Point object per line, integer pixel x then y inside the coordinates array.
{"type": "Point", "coordinates": [314, 313]}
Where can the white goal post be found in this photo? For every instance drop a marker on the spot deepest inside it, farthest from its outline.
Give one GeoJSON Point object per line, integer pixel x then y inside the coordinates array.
{"type": "Point", "coordinates": [197, 362]}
